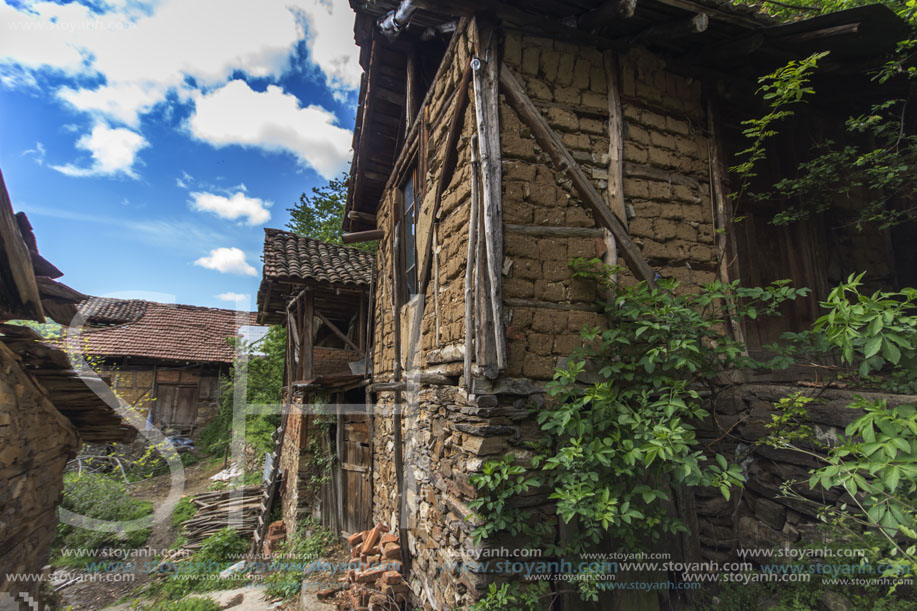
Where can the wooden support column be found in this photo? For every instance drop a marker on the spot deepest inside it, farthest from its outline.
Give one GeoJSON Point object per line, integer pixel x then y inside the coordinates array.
{"type": "Point", "coordinates": [307, 335]}
{"type": "Point", "coordinates": [470, 261]}
{"type": "Point", "coordinates": [563, 160]}
{"type": "Point", "coordinates": [486, 101]}
{"type": "Point", "coordinates": [615, 157]}
{"type": "Point", "coordinates": [725, 236]}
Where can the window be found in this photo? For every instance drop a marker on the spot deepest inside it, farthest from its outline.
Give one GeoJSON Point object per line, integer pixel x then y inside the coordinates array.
{"type": "Point", "coordinates": [408, 228]}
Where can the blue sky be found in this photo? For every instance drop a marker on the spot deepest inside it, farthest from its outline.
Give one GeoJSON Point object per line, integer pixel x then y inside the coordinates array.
{"type": "Point", "coordinates": [150, 142]}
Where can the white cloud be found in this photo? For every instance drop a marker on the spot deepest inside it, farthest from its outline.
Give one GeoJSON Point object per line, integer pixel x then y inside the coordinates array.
{"type": "Point", "coordinates": [234, 297]}
{"type": "Point", "coordinates": [143, 52]}
{"type": "Point", "coordinates": [236, 206]}
{"type": "Point", "coordinates": [274, 121]}
{"type": "Point", "coordinates": [227, 261]}
{"type": "Point", "coordinates": [38, 153]}
{"type": "Point", "coordinates": [146, 53]}
{"type": "Point", "coordinates": [113, 150]}
{"type": "Point", "coordinates": [329, 48]}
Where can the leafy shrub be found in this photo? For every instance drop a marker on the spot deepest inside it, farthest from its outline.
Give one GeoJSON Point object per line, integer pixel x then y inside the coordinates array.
{"type": "Point", "coordinates": [193, 603]}
{"type": "Point", "coordinates": [104, 498]}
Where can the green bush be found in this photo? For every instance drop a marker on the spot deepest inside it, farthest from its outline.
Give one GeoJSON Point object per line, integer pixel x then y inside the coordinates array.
{"type": "Point", "coordinates": [184, 510]}
{"type": "Point", "coordinates": [104, 498]}
{"type": "Point", "coordinates": [194, 603]}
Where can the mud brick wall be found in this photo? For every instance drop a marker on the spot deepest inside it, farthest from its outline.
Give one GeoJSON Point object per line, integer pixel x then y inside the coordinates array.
{"type": "Point", "coordinates": [665, 184]}
{"type": "Point", "coordinates": [451, 231]}
{"type": "Point", "coordinates": [36, 442]}
{"type": "Point", "coordinates": [333, 360]}
{"type": "Point", "coordinates": [759, 517]}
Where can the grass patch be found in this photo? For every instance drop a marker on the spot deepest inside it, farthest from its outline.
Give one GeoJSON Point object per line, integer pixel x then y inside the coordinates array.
{"type": "Point", "coordinates": [104, 498]}
{"type": "Point", "coordinates": [201, 571]}
{"type": "Point", "coordinates": [310, 542]}
{"type": "Point", "coordinates": [184, 510]}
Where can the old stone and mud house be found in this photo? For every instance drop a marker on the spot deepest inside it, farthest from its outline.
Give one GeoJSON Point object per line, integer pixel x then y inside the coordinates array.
{"type": "Point", "coordinates": [164, 359]}
{"type": "Point", "coordinates": [48, 407]}
{"type": "Point", "coordinates": [493, 143]}
{"type": "Point", "coordinates": [321, 293]}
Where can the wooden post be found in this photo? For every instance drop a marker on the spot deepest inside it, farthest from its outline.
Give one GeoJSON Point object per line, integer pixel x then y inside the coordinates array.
{"type": "Point", "coordinates": [307, 335]}
{"type": "Point", "coordinates": [615, 139]}
{"type": "Point", "coordinates": [722, 217]}
{"type": "Point", "coordinates": [552, 145]}
{"type": "Point", "coordinates": [486, 98]}
{"type": "Point", "coordinates": [469, 265]}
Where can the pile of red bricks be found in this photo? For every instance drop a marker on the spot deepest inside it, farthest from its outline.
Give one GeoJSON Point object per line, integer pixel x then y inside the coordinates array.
{"type": "Point", "coordinates": [276, 533]}
{"type": "Point", "coordinates": [377, 584]}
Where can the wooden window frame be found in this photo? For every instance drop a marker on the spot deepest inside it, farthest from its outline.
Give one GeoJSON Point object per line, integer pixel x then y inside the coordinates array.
{"type": "Point", "coordinates": [408, 241]}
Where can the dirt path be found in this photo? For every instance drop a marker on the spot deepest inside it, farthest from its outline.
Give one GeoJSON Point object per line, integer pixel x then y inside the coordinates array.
{"type": "Point", "coordinates": [94, 595]}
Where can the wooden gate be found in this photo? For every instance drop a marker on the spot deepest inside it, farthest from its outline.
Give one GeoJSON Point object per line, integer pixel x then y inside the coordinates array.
{"type": "Point", "coordinates": [176, 406]}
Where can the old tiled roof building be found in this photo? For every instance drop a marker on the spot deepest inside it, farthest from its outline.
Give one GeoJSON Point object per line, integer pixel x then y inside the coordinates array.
{"type": "Point", "coordinates": [165, 359]}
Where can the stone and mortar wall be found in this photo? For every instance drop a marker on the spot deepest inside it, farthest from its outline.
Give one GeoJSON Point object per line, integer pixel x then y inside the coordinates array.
{"type": "Point", "coordinates": [36, 441]}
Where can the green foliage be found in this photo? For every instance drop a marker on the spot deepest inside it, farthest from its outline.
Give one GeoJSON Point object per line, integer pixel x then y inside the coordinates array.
{"type": "Point", "coordinates": [321, 215]}
{"type": "Point", "coordinates": [501, 481]}
{"type": "Point", "coordinates": [184, 510]}
{"type": "Point", "coordinates": [876, 333]}
{"type": "Point", "coordinates": [309, 542]}
{"type": "Point", "coordinates": [872, 165]}
{"type": "Point", "coordinates": [781, 89]}
{"type": "Point", "coordinates": [263, 386]}
{"type": "Point", "coordinates": [192, 603]}
{"type": "Point", "coordinates": [200, 572]}
{"type": "Point", "coordinates": [809, 595]}
{"type": "Point", "coordinates": [619, 430]}
{"type": "Point", "coordinates": [513, 596]}
{"type": "Point", "coordinates": [97, 496]}
{"type": "Point", "coordinates": [876, 461]}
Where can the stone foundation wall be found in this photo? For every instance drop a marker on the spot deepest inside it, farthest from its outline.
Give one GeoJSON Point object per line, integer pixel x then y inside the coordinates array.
{"type": "Point", "coordinates": [759, 517]}
{"type": "Point", "coordinates": [36, 442]}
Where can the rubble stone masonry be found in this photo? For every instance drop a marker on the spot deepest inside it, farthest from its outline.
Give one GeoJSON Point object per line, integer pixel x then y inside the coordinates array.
{"type": "Point", "coordinates": [36, 442]}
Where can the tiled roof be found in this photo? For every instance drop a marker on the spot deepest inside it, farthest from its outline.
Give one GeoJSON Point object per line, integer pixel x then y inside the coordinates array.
{"type": "Point", "coordinates": [165, 331]}
{"type": "Point", "coordinates": [291, 256]}
{"type": "Point", "coordinates": [108, 311]}
{"type": "Point", "coordinates": [79, 395]}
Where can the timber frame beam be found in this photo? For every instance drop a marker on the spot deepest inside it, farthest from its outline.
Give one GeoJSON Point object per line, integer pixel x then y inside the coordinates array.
{"type": "Point", "coordinates": [563, 160]}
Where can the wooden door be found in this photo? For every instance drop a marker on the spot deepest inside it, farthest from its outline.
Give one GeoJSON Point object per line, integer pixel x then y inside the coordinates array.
{"type": "Point", "coordinates": [176, 406]}
{"type": "Point", "coordinates": [355, 461]}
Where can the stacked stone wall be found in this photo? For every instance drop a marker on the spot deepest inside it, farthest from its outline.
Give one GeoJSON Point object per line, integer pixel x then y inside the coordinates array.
{"type": "Point", "coordinates": [36, 442]}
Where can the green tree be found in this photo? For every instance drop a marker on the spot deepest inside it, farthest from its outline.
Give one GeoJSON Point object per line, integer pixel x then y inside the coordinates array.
{"type": "Point", "coordinates": [321, 214]}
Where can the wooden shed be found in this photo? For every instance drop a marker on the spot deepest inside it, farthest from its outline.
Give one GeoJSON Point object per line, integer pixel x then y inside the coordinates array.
{"type": "Point", "coordinates": [165, 359]}
{"type": "Point", "coordinates": [321, 293]}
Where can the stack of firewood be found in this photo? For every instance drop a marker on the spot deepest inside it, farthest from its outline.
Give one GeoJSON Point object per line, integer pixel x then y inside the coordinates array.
{"type": "Point", "coordinates": [377, 585]}
{"type": "Point", "coordinates": [217, 510]}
